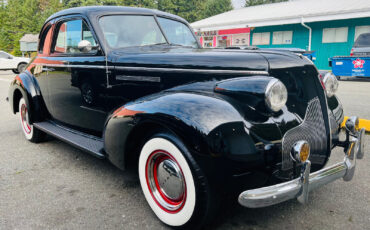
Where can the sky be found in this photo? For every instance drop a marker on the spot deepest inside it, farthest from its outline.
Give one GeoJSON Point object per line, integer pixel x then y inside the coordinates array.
{"type": "Point", "coordinates": [238, 3]}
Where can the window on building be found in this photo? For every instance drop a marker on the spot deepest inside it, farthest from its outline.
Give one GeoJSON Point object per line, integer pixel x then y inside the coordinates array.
{"type": "Point", "coordinates": [361, 30]}
{"type": "Point", "coordinates": [335, 35]}
{"type": "Point", "coordinates": [261, 38]}
{"type": "Point", "coordinates": [282, 37]}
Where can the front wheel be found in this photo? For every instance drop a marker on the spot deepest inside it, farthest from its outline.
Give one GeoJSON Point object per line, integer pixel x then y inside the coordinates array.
{"type": "Point", "coordinates": [30, 132]}
{"type": "Point", "coordinates": [173, 185]}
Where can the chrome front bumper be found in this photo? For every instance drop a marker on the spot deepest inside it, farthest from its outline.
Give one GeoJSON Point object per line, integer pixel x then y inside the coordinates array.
{"type": "Point", "coordinates": [300, 187]}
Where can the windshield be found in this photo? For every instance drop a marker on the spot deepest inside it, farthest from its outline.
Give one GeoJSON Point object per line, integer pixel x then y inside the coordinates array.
{"type": "Point", "coordinates": [131, 30]}
{"type": "Point", "coordinates": [177, 33]}
{"type": "Point", "coordinates": [122, 31]}
{"type": "Point", "coordinates": [363, 40]}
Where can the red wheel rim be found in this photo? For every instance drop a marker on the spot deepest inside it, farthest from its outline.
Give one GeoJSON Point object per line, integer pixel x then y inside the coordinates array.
{"type": "Point", "coordinates": [162, 169]}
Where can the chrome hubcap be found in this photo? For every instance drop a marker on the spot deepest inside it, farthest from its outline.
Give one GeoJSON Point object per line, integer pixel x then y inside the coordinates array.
{"type": "Point", "coordinates": [170, 179]}
{"type": "Point", "coordinates": [166, 181]}
{"type": "Point", "coordinates": [25, 120]}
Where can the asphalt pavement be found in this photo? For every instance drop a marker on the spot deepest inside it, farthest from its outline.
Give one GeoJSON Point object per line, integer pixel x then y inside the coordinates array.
{"type": "Point", "coordinates": [55, 186]}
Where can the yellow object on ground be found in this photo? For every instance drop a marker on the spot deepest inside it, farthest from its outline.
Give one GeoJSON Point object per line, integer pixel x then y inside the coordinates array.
{"type": "Point", "coordinates": [362, 124]}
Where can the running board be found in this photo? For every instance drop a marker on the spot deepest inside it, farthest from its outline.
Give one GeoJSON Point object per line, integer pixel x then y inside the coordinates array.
{"type": "Point", "coordinates": [85, 142]}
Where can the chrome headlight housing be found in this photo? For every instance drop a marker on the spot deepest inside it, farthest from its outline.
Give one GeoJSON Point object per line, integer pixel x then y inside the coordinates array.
{"type": "Point", "coordinates": [331, 84]}
{"type": "Point", "coordinates": [276, 95]}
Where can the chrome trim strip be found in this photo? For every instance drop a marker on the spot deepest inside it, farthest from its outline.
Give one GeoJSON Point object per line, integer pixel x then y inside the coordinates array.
{"type": "Point", "coordinates": [138, 78]}
{"type": "Point", "coordinates": [198, 71]}
{"type": "Point", "coordinates": [165, 70]}
{"type": "Point", "coordinates": [75, 66]}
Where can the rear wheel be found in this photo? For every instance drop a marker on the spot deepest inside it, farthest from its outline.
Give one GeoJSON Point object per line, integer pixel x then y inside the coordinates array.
{"type": "Point", "coordinates": [30, 132]}
{"type": "Point", "coordinates": [173, 184]}
{"type": "Point", "coordinates": [15, 71]}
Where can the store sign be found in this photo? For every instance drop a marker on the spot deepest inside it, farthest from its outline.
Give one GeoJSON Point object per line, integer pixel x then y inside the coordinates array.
{"type": "Point", "coordinates": [240, 39]}
{"type": "Point", "coordinates": [208, 33]}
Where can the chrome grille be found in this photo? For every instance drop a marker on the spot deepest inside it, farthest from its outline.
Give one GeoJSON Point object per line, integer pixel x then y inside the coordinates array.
{"type": "Point", "coordinates": [312, 130]}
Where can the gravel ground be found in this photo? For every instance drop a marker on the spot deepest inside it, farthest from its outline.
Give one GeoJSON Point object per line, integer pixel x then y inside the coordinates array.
{"type": "Point", "coordinates": [55, 186]}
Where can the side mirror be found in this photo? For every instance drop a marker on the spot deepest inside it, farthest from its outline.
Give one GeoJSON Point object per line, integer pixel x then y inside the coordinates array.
{"type": "Point", "coordinates": [85, 46]}
{"type": "Point", "coordinates": [10, 57]}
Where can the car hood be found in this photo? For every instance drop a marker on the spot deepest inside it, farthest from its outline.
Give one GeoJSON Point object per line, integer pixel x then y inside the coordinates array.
{"type": "Point", "coordinates": [216, 59]}
{"type": "Point", "coordinates": [22, 59]}
{"type": "Point", "coordinates": [186, 58]}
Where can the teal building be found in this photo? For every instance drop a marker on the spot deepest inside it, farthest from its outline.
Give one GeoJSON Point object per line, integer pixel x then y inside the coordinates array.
{"type": "Point", "coordinates": [328, 27]}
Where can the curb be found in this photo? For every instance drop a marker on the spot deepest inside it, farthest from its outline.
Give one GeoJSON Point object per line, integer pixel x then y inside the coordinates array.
{"type": "Point", "coordinates": [362, 124]}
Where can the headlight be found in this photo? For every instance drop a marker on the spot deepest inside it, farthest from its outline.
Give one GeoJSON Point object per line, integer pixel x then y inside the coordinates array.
{"type": "Point", "coordinates": [276, 95]}
{"type": "Point", "coordinates": [331, 84]}
{"type": "Point", "coordinates": [300, 151]}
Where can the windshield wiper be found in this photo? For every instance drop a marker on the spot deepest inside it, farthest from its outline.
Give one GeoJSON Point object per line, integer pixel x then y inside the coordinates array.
{"type": "Point", "coordinates": [158, 44]}
{"type": "Point", "coordinates": [174, 44]}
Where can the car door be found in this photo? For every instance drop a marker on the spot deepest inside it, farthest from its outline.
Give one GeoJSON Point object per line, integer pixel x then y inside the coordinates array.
{"type": "Point", "coordinates": [76, 76]}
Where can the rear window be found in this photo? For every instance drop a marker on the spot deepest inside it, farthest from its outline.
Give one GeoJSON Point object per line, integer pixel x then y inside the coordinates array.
{"type": "Point", "coordinates": [363, 40]}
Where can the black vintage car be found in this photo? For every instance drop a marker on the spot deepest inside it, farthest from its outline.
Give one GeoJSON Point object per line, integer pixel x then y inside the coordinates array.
{"type": "Point", "coordinates": [134, 86]}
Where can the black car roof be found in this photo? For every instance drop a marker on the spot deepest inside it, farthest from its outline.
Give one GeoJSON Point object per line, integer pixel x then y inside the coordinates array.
{"type": "Point", "coordinates": [101, 10]}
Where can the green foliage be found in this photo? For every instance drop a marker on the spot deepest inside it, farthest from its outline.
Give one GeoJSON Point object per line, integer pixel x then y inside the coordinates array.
{"type": "Point", "coordinates": [188, 9]}
{"type": "Point", "coordinates": [214, 7]}
{"type": "Point", "coordinates": [261, 2]}
{"type": "Point", "coordinates": [18, 17]}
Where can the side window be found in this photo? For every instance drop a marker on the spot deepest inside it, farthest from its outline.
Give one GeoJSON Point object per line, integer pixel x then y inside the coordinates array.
{"type": "Point", "coordinates": [70, 35]}
{"type": "Point", "coordinates": [42, 39]}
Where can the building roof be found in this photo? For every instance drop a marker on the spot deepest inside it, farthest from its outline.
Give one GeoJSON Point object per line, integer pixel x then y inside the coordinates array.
{"type": "Point", "coordinates": [30, 38]}
{"type": "Point", "coordinates": [282, 13]}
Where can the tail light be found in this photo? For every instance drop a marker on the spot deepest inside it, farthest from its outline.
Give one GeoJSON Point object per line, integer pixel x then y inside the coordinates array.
{"type": "Point", "coordinates": [351, 52]}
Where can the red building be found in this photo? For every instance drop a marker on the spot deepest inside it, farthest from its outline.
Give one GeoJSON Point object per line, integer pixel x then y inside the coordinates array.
{"type": "Point", "coordinates": [225, 38]}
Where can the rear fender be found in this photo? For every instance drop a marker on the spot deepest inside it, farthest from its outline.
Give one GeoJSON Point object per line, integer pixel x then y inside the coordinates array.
{"type": "Point", "coordinates": [30, 91]}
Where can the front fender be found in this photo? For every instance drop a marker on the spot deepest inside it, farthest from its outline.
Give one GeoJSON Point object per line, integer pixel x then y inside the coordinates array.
{"type": "Point", "coordinates": [208, 125]}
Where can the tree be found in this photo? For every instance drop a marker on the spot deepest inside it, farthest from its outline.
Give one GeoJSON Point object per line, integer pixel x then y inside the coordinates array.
{"type": "Point", "coordinates": [77, 3]}
{"type": "Point", "coordinates": [188, 9]}
{"type": "Point", "coordinates": [214, 7]}
{"type": "Point", "coordinates": [261, 2]}
{"type": "Point", "coordinates": [140, 3]}
{"type": "Point", "coordinates": [19, 17]}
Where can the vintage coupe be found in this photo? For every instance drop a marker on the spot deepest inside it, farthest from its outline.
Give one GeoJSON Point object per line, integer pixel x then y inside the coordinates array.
{"type": "Point", "coordinates": [134, 86]}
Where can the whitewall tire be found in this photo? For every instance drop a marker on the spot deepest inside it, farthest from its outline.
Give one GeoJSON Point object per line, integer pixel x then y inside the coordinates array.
{"type": "Point", "coordinates": [172, 183]}
{"type": "Point", "coordinates": [27, 128]}
{"type": "Point", "coordinates": [30, 132]}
